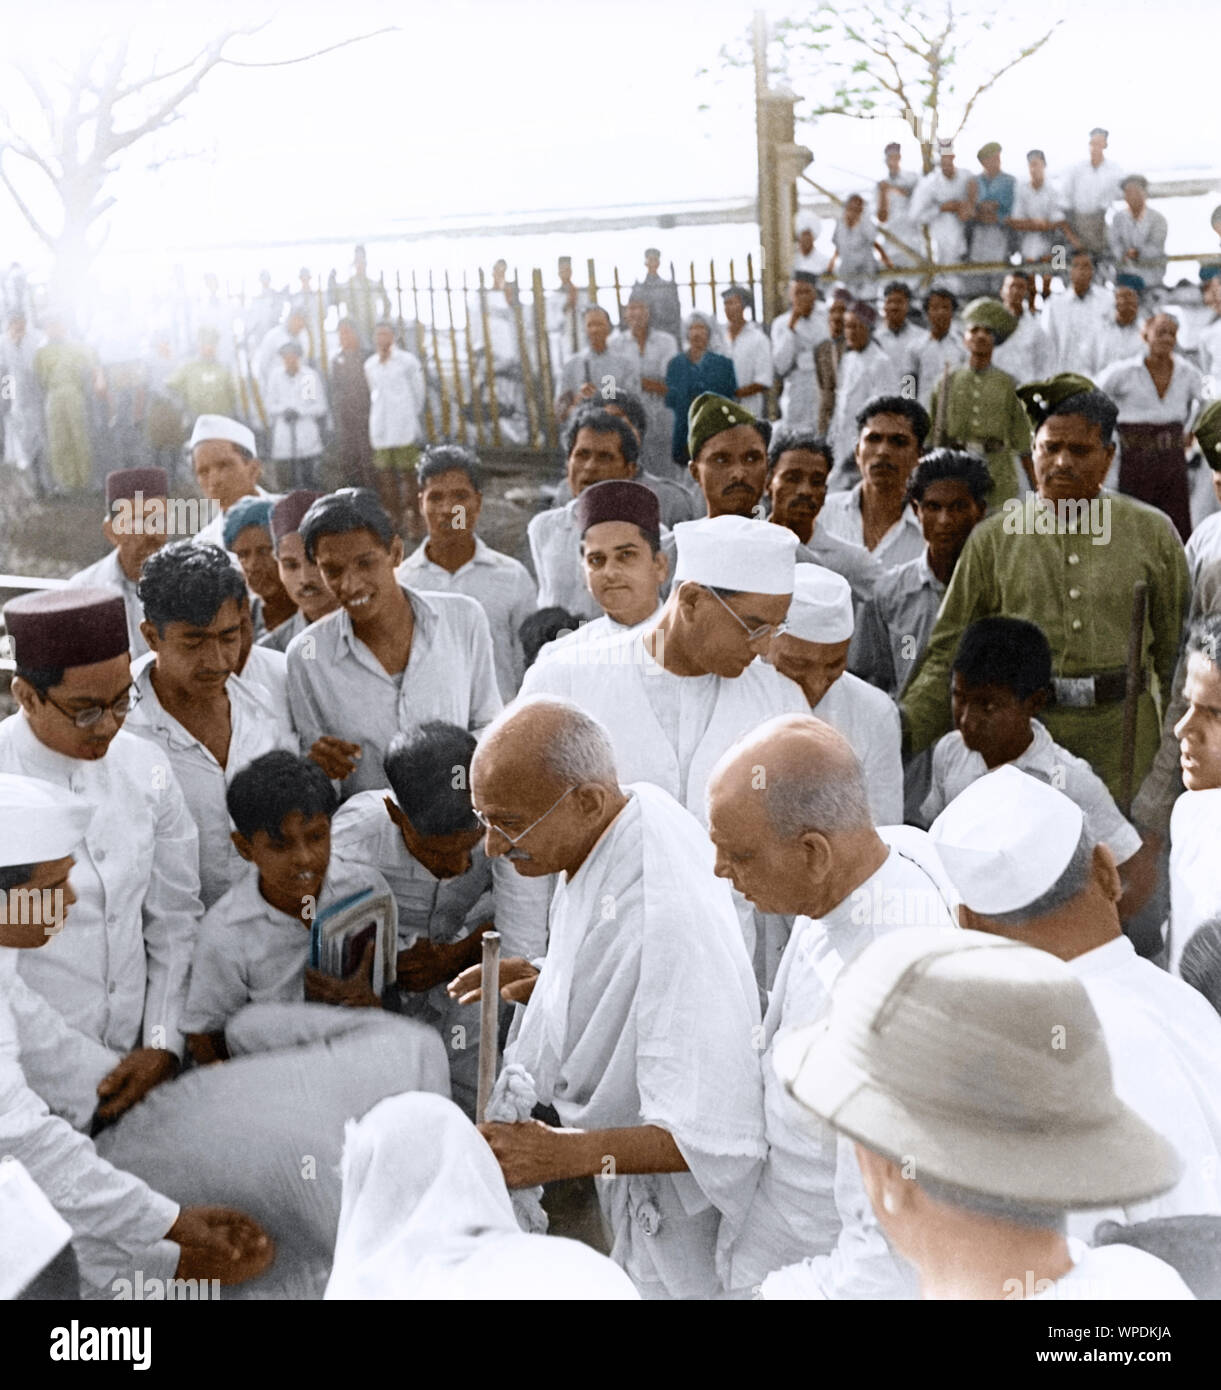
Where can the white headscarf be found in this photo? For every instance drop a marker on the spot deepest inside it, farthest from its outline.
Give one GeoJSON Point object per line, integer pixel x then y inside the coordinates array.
{"type": "Point", "coordinates": [426, 1215]}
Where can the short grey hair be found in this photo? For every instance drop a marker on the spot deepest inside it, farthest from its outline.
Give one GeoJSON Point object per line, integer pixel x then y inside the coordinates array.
{"type": "Point", "coordinates": [818, 798]}
{"type": "Point", "coordinates": [579, 750]}
{"type": "Point", "coordinates": [1071, 882]}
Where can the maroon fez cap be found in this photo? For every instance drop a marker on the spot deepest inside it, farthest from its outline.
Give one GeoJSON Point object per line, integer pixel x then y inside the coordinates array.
{"type": "Point", "coordinates": [616, 499]}
{"type": "Point", "coordinates": [57, 628]}
{"type": "Point", "coordinates": [287, 513]}
{"type": "Point", "coordinates": [126, 482]}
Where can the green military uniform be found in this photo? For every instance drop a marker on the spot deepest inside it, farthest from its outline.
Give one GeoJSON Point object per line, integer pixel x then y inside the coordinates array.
{"type": "Point", "coordinates": [206, 388]}
{"type": "Point", "coordinates": [62, 370]}
{"type": "Point", "coordinates": [984, 415]}
{"type": "Point", "coordinates": [1080, 593]}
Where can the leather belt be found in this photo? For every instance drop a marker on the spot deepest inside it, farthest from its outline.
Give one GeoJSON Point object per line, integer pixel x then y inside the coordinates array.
{"type": "Point", "coordinates": [1084, 692]}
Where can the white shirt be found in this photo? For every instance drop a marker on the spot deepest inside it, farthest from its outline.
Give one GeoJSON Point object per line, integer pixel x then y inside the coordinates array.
{"type": "Point", "coordinates": [928, 357]}
{"type": "Point", "coordinates": [1088, 189]}
{"type": "Point", "coordinates": [955, 767]}
{"type": "Point", "coordinates": [114, 1216]}
{"type": "Point", "coordinates": [899, 346]}
{"type": "Point", "coordinates": [1195, 888]}
{"type": "Point", "coordinates": [267, 668]}
{"type": "Point", "coordinates": [249, 952]}
{"type": "Point", "coordinates": [337, 686]}
{"type": "Point", "coordinates": [1027, 353]}
{"type": "Point", "coordinates": [795, 1212]}
{"type": "Point", "coordinates": [841, 516]}
{"type": "Point", "coordinates": [118, 972]}
{"type": "Point", "coordinates": [1032, 204]}
{"type": "Point", "coordinates": [752, 363]}
{"type": "Point", "coordinates": [862, 376]}
{"type": "Point", "coordinates": [555, 548]}
{"type": "Point", "coordinates": [1115, 343]}
{"type": "Point", "coordinates": [304, 393]}
{"type": "Point", "coordinates": [253, 730]}
{"type": "Point", "coordinates": [1131, 388]}
{"type": "Point", "coordinates": [793, 360]}
{"type": "Point", "coordinates": [947, 232]}
{"type": "Point", "coordinates": [213, 532]}
{"type": "Point", "coordinates": [107, 572]}
{"type": "Point", "coordinates": [1075, 324]}
{"type": "Point", "coordinates": [869, 719]}
{"type": "Point", "coordinates": [1164, 1039]}
{"type": "Point", "coordinates": [1115, 1273]}
{"type": "Point", "coordinates": [396, 399]}
{"type": "Point", "coordinates": [267, 354]}
{"type": "Point", "coordinates": [1204, 545]}
{"type": "Point", "coordinates": [499, 583]}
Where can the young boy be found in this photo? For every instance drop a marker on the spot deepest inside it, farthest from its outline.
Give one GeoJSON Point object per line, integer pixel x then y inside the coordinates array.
{"type": "Point", "coordinates": [1000, 680]}
{"type": "Point", "coordinates": [254, 942]}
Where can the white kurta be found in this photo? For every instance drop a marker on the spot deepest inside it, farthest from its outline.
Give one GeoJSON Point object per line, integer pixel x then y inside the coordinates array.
{"type": "Point", "coordinates": [1131, 387]}
{"type": "Point", "coordinates": [869, 719]}
{"type": "Point", "coordinates": [119, 972]}
{"type": "Point", "coordinates": [304, 393]}
{"type": "Point", "coordinates": [947, 233]}
{"type": "Point", "coordinates": [793, 361]}
{"type": "Point", "coordinates": [841, 516]}
{"type": "Point", "coordinates": [108, 572]}
{"type": "Point", "coordinates": [1195, 887]}
{"type": "Point", "coordinates": [752, 363]}
{"type": "Point", "coordinates": [862, 376]}
{"type": "Point", "coordinates": [1026, 354]}
{"type": "Point", "coordinates": [797, 1211]}
{"type": "Point", "coordinates": [645, 1013]}
{"type": "Point", "coordinates": [927, 359]}
{"type": "Point", "coordinates": [1075, 325]}
{"type": "Point", "coordinates": [254, 729]}
{"type": "Point", "coordinates": [617, 682]}
{"type": "Point", "coordinates": [396, 399]}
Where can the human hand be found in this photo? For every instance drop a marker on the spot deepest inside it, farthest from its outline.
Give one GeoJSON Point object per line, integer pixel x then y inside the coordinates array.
{"type": "Point", "coordinates": [354, 991]}
{"type": "Point", "coordinates": [426, 964]}
{"type": "Point", "coordinates": [220, 1243]}
{"type": "Point", "coordinates": [517, 977]}
{"type": "Point", "coordinates": [335, 756]}
{"type": "Point", "coordinates": [527, 1152]}
{"type": "Point", "coordinates": [133, 1078]}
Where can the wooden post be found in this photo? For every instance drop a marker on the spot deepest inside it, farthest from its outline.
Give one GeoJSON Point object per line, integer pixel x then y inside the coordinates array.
{"type": "Point", "coordinates": [693, 305]}
{"type": "Point", "coordinates": [489, 1023]}
{"type": "Point", "coordinates": [546, 378]}
{"type": "Point", "coordinates": [489, 364]}
{"type": "Point", "coordinates": [453, 352]}
{"type": "Point", "coordinates": [618, 299]}
{"type": "Point", "coordinates": [322, 356]}
{"type": "Point", "coordinates": [476, 394]}
{"type": "Point", "coordinates": [527, 372]}
{"type": "Point", "coordinates": [436, 357]}
{"type": "Point", "coordinates": [421, 352]}
{"type": "Point", "coordinates": [712, 284]}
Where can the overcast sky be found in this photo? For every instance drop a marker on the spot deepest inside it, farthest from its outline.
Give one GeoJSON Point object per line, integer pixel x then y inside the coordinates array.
{"type": "Point", "coordinates": [497, 106]}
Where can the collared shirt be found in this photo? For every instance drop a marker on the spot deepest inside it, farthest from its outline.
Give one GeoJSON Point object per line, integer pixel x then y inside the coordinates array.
{"type": "Point", "coordinates": [114, 1216]}
{"type": "Point", "coordinates": [499, 583]}
{"type": "Point", "coordinates": [955, 767]}
{"type": "Point", "coordinates": [396, 399]}
{"type": "Point", "coordinates": [555, 548]}
{"type": "Point", "coordinates": [1115, 343]}
{"type": "Point", "coordinates": [983, 414]}
{"type": "Point", "coordinates": [1032, 204]}
{"type": "Point", "coordinates": [894, 627]}
{"type": "Point", "coordinates": [592, 631]}
{"type": "Point", "coordinates": [869, 719]}
{"type": "Point", "coordinates": [1026, 354]}
{"type": "Point", "coordinates": [1195, 897]}
{"type": "Point", "coordinates": [108, 571]}
{"type": "Point", "coordinates": [267, 355]}
{"type": "Point", "coordinates": [249, 952]}
{"type": "Point", "coordinates": [752, 363]}
{"type": "Point", "coordinates": [588, 367]}
{"type": "Point", "coordinates": [899, 346]}
{"type": "Point", "coordinates": [253, 731]}
{"type": "Point", "coordinates": [793, 360]}
{"type": "Point", "coordinates": [841, 516]}
{"type": "Point", "coordinates": [118, 973]}
{"type": "Point", "coordinates": [660, 349]}
{"type": "Point", "coordinates": [862, 376]}
{"type": "Point", "coordinates": [1146, 235]}
{"type": "Point", "coordinates": [279, 637]}
{"type": "Point", "coordinates": [1204, 545]}
{"type": "Point", "coordinates": [1088, 189]}
{"type": "Point", "coordinates": [304, 393]}
{"type": "Point", "coordinates": [337, 686]}
{"type": "Point", "coordinates": [861, 569]}
{"type": "Point", "coordinates": [1075, 323]}
{"type": "Point", "coordinates": [948, 233]}
{"type": "Point", "coordinates": [267, 668]}
{"type": "Point", "coordinates": [928, 357]}
{"type": "Point", "coordinates": [1130, 385]}
{"type": "Point", "coordinates": [854, 248]}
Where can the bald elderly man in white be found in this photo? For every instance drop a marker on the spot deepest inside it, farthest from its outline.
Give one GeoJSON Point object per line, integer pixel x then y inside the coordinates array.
{"type": "Point", "coordinates": [788, 815]}
{"type": "Point", "coordinates": [1018, 854]}
{"type": "Point", "coordinates": [813, 652]}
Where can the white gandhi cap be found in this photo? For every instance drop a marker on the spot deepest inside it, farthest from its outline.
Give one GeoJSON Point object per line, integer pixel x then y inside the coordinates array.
{"type": "Point", "coordinates": [39, 821]}
{"type": "Point", "coordinates": [733, 552]}
{"type": "Point", "coordinates": [221, 427]}
{"type": "Point", "coordinates": [821, 610]}
{"type": "Point", "coordinates": [1006, 840]}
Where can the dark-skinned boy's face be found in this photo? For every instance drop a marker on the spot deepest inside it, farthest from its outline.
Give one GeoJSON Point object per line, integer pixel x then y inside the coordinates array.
{"type": "Point", "coordinates": [992, 720]}
{"type": "Point", "coordinates": [444, 856]}
{"type": "Point", "coordinates": [257, 557]}
{"type": "Point", "coordinates": [292, 865]}
{"type": "Point", "coordinates": [196, 659]}
{"type": "Point", "coordinates": [301, 579]}
{"type": "Point", "coordinates": [948, 513]}
{"type": "Point", "coordinates": [359, 571]}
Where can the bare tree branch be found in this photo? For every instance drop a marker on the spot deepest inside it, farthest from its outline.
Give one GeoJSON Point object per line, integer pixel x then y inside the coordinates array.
{"type": "Point", "coordinates": [38, 229]}
{"type": "Point", "coordinates": [317, 53]}
{"type": "Point", "coordinates": [991, 82]}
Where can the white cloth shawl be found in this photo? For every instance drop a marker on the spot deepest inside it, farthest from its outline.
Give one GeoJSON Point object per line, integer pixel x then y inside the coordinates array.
{"type": "Point", "coordinates": [646, 1013]}
{"type": "Point", "coordinates": [426, 1215]}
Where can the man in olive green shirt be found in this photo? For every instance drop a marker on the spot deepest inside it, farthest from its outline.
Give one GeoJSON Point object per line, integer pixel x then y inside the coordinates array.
{"type": "Point", "coordinates": [1068, 561]}
{"type": "Point", "coordinates": [982, 412]}
{"type": "Point", "coordinates": [204, 385]}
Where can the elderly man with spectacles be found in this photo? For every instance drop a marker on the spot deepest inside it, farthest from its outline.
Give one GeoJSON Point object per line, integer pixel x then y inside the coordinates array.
{"type": "Point", "coordinates": [639, 1026]}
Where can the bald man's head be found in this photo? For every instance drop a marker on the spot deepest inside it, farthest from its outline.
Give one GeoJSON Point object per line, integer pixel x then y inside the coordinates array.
{"type": "Point", "coordinates": [789, 815]}
{"type": "Point", "coordinates": [543, 781]}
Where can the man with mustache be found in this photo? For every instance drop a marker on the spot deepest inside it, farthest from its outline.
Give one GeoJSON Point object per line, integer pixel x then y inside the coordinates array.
{"type": "Point", "coordinates": [1076, 589]}
{"type": "Point", "coordinates": [875, 513]}
{"type": "Point", "coordinates": [135, 533]}
{"type": "Point", "coordinates": [300, 577]}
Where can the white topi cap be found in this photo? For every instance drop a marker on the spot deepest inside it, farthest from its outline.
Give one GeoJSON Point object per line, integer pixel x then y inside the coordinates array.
{"type": "Point", "coordinates": [39, 821]}
{"type": "Point", "coordinates": [221, 427]}
{"type": "Point", "coordinates": [733, 552]}
{"type": "Point", "coordinates": [821, 610]}
{"type": "Point", "coordinates": [1006, 840]}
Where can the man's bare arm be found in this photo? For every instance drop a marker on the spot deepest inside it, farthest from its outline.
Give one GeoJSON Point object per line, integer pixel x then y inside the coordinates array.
{"type": "Point", "coordinates": [531, 1153]}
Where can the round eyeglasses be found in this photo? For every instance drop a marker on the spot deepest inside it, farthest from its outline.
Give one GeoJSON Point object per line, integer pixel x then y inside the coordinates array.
{"type": "Point", "coordinates": [517, 839]}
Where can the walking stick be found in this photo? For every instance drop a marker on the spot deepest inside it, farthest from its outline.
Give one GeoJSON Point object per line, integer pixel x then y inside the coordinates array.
{"type": "Point", "coordinates": [489, 1023]}
{"type": "Point", "coordinates": [1132, 694]}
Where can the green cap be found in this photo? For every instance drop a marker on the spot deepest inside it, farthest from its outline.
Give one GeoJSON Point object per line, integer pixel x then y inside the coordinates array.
{"type": "Point", "coordinates": [988, 150]}
{"type": "Point", "coordinates": [1042, 397]}
{"type": "Point", "coordinates": [990, 313]}
{"type": "Point", "coordinates": [1208, 434]}
{"type": "Point", "coordinates": [712, 414]}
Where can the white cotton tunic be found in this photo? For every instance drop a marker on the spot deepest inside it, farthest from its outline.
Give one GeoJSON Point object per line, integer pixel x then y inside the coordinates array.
{"type": "Point", "coordinates": [841, 516]}
{"type": "Point", "coordinates": [793, 362]}
{"type": "Point", "coordinates": [1195, 884]}
{"type": "Point", "coordinates": [396, 399]}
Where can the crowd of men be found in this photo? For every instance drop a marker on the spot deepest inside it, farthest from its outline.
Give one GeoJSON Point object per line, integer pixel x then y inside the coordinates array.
{"type": "Point", "coordinates": [842, 790]}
